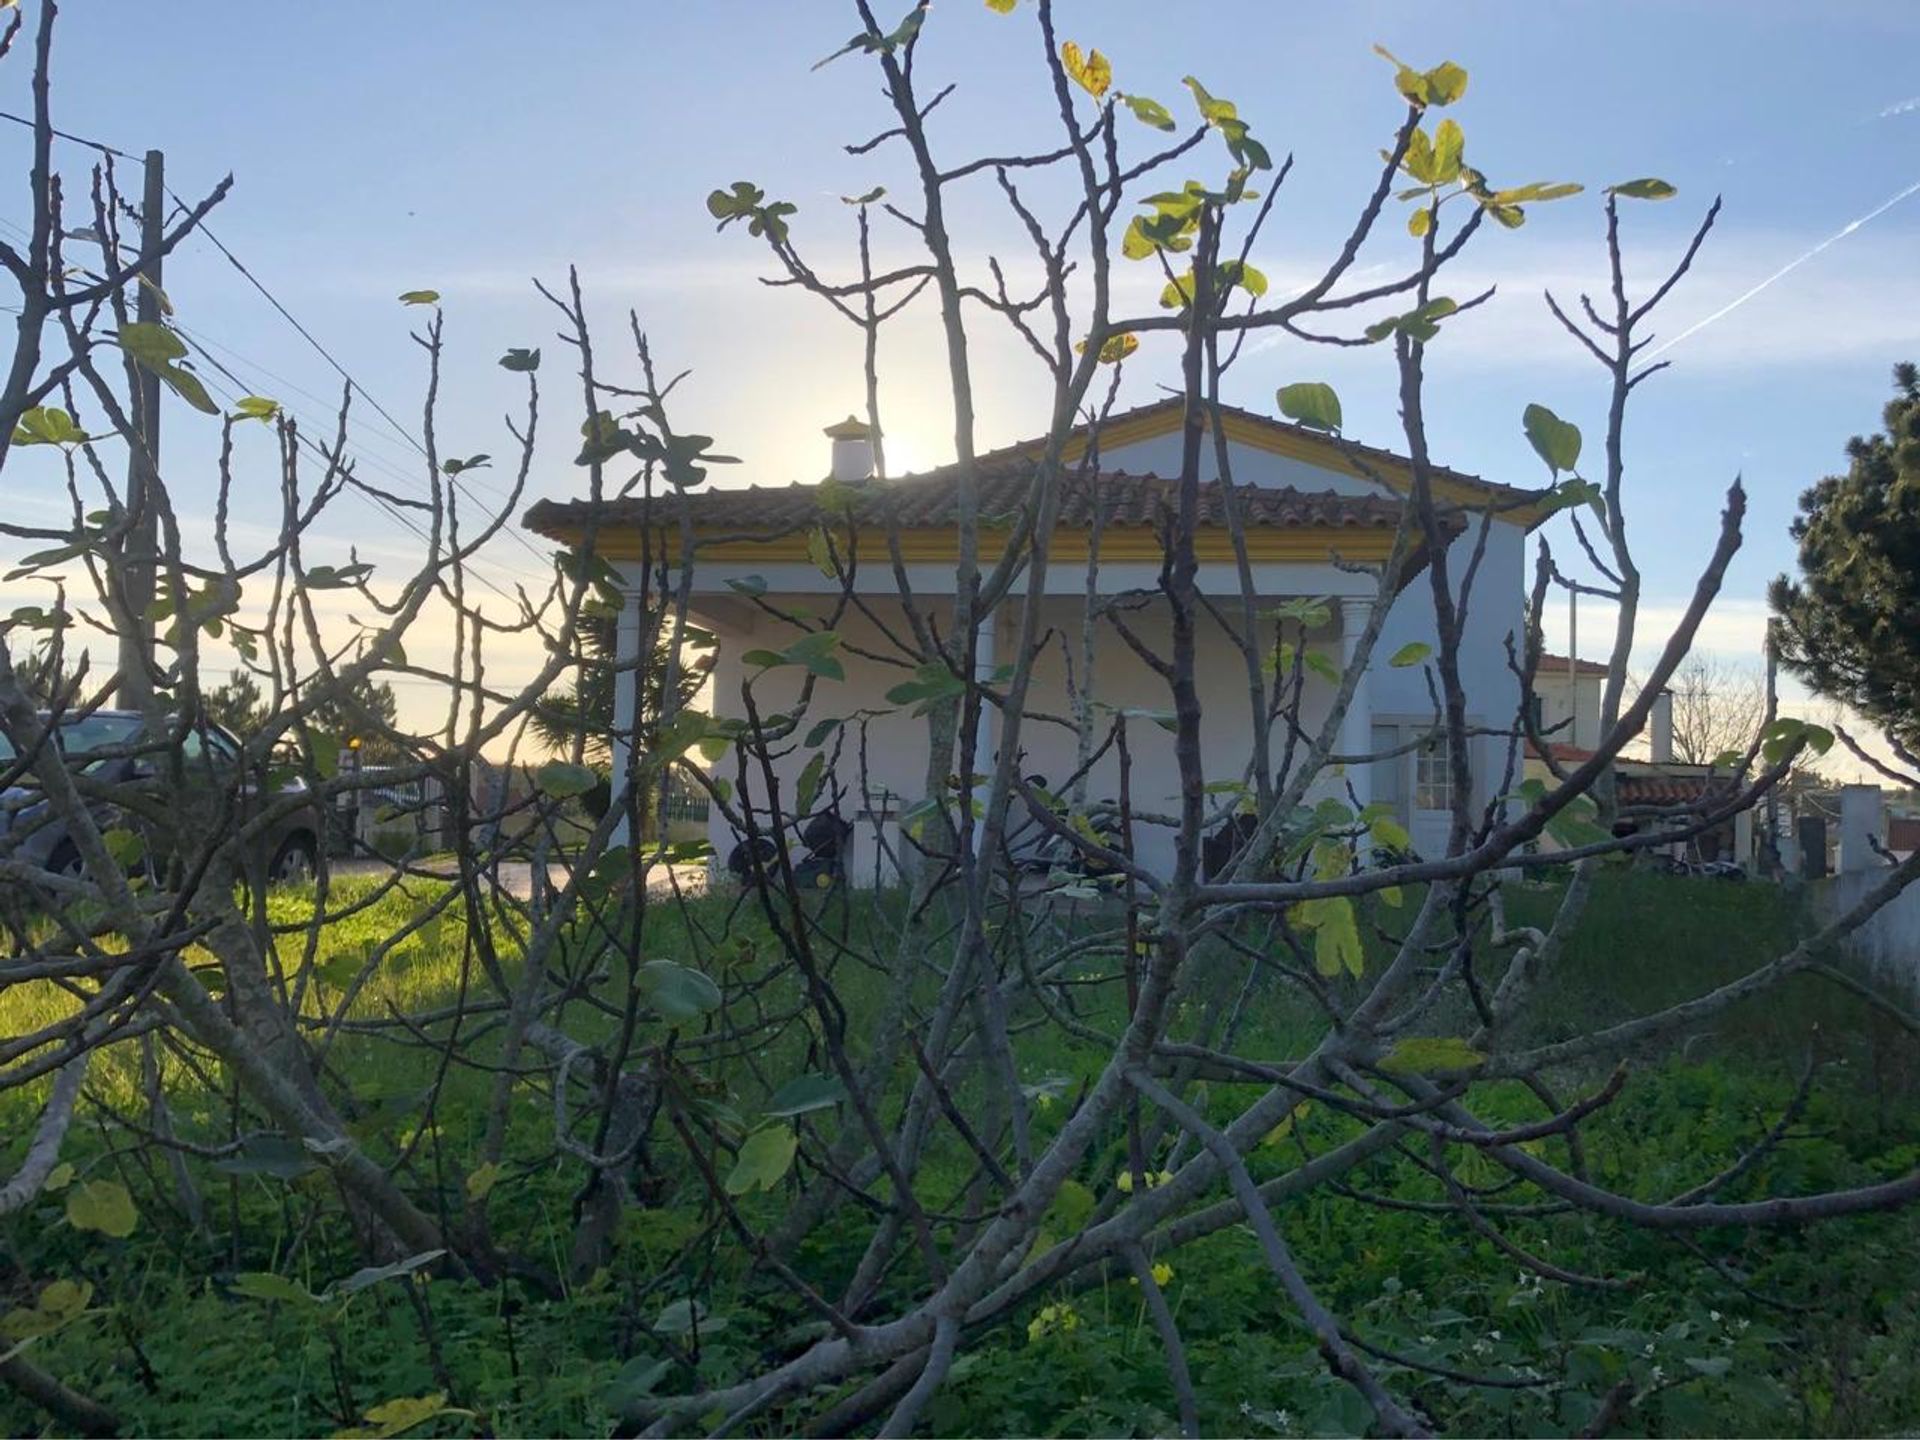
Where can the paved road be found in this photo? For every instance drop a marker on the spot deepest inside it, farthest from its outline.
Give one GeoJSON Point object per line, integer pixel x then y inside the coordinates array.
{"type": "Point", "coordinates": [516, 876]}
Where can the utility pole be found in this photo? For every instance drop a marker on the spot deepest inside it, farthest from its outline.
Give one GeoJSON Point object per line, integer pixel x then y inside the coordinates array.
{"type": "Point", "coordinates": [1573, 663]}
{"type": "Point", "coordinates": [143, 456]}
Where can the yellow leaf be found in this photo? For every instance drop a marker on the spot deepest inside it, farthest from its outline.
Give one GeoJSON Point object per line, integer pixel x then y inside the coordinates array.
{"type": "Point", "coordinates": [1419, 222]}
{"type": "Point", "coordinates": [1431, 1054]}
{"type": "Point", "coordinates": [1002, 7]}
{"type": "Point", "coordinates": [102, 1205]}
{"type": "Point", "coordinates": [59, 1177]}
{"type": "Point", "coordinates": [1092, 72]}
{"type": "Point", "coordinates": [481, 1182]}
{"type": "Point", "coordinates": [65, 1299]}
{"type": "Point", "coordinates": [1117, 348]}
{"type": "Point", "coordinates": [1286, 1126]}
{"type": "Point", "coordinates": [395, 1417]}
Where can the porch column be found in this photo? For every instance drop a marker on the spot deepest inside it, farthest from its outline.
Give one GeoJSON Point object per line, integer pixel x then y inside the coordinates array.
{"type": "Point", "coordinates": [626, 650]}
{"type": "Point", "coordinates": [984, 662]}
{"type": "Point", "coordinates": [1356, 727]}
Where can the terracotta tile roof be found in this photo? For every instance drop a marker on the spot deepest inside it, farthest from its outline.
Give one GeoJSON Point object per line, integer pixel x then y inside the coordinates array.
{"type": "Point", "coordinates": [1557, 665]}
{"type": "Point", "coordinates": [1670, 789]}
{"type": "Point", "coordinates": [1493, 489]}
{"type": "Point", "coordinates": [929, 501]}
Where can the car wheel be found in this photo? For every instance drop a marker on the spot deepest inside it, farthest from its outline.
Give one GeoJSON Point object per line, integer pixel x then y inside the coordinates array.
{"type": "Point", "coordinates": [293, 862]}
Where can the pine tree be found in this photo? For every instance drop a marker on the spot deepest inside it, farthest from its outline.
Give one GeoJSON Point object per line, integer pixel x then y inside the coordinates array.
{"type": "Point", "coordinates": [1851, 623]}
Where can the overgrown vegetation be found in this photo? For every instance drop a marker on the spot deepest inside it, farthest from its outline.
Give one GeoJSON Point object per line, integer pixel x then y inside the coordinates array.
{"type": "Point", "coordinates": [213, 1329]}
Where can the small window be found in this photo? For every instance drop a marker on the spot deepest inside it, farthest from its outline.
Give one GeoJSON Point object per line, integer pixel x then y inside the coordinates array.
{"type": "Point", "coordinates": [1432, 778]}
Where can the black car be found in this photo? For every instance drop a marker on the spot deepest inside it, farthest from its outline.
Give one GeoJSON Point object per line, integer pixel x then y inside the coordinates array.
{"type": "Point", "coordinates": [28, 831]}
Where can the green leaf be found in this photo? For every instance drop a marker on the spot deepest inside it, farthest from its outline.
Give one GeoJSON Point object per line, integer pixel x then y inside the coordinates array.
{"type": "Point", "coordinates": [1311, 403]}
{"type": "Point", "coordinates": [265, 1285]}
{"type": "Point", "coordinates": [805, 1094]}
{"type": "Point", "coordinates": [1646, 188]}
{"type": "Point", "coordinates": [677, 992]}
{"type": "Point", "coordinates": [1446, 83]}
{"type": "Point", "coordinates": [1147, 112]}
{"type": "Point", "coordinates": [1238, 272]}
{"type": "Point", "coordinates": [152, 344]}
{"type": "Point", "coordinates": [124, 846]}
{"type": "Point", "coordinates": [154, 347]}
{"type": "Point", "coordinates": [809, 783]}
{"type": "Point", "coordinates": [1419, 222]}
{"type": "Point", "coordinates": [472, 462]}
{"type": "Point", "coordinates": [1431, 1055]}
{"type": "Point", "coordinates": [1442, 85]}
{"type": "Point", "coordinates": [255, 407]}
{"type": "Point", "coordinates": [1411, 653]}
{"type": "Point", "coordinates": [815, 651]}
{"type": "Point", "coordinates": [59, 1177]}
{"type": "Point", "coordinates": [560, 779]}
{"type": "Point", "coordinates": [1538, 190]}
{"type": "Point", "coordinates": [634, 1381]}
{"type": "Point", "coordinates": [102, 1205]}
{"type": "Point", "coordinates": [520, 360]}
{"type": "Point", "coordinates": [765, 1157]}
{"type": "Point", "coordinates": [1315, 661]}
{"type": "Point", "coordinates": [47, 425]}
{"type": "Point", "coordinates": [368, 1276]}
{"type": "Point", "coordinates": [680, 1318]}
{"type": "Point", "coordinates": [1449, 144]}
{"type": "Point", "coordinates": [420, 297]}
{"type": "Point", "coordinates": [273, 1155]}
{"type": "Point", "coordinates": [1554, 440]}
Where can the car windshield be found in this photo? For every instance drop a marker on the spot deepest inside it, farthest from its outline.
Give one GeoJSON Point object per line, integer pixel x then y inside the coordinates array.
{"type": "Point", "coordinates": [79, 738]}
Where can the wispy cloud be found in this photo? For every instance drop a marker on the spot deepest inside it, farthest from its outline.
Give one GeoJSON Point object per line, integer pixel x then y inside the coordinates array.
{"type": "Point", "coordinates": [1904, 107]}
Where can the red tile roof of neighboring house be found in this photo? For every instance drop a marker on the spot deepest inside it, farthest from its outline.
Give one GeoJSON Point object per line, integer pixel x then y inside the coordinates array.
{"type": "Point", "coordinates": [1557, 665]}
{"type": "Point", "coordinates": [1670, 789]}
{"type": "Point", "coordinates": [1903, 833]}
{"type": "Point", "coordinates": [929, 500]}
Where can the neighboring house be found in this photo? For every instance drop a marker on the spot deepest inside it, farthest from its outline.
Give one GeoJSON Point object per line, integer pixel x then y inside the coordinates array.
{"type": "Point", "coordinates": [1306, 507]}
{"type": "Point", "coordinates": [1566, 703]}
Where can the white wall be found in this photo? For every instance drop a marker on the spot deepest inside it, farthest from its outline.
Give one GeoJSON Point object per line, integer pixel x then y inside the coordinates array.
{"type": "Point", "coordinates": [892, 759]}
{"type": "Point", "coordinates": [1494, 610]}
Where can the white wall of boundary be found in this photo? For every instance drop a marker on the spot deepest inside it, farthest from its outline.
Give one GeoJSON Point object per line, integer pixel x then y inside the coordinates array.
{"type": "Point", "coordinates": [1889, 943]}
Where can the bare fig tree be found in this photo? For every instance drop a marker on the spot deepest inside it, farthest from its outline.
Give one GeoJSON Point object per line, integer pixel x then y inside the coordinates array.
{"type": "Point", "coordinates": [790, 1060]}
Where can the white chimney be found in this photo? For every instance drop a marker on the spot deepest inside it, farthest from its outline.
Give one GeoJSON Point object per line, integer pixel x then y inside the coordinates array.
{"type": "Point", "coordinates": [852, 450]}
{"type": "Point", "coordinates": [1660, 740]}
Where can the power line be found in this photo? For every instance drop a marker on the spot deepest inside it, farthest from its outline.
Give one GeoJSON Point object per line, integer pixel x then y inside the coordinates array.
{"type": "Point", "coordinates": [203, 229]}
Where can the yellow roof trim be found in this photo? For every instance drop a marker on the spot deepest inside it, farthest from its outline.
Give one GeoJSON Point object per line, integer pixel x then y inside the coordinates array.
{"type": "Point", "coordinates": [940, 545]}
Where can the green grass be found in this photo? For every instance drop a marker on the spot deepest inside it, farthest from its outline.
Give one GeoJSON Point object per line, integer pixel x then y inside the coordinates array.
{"type": "Point", "coordinates": [177, 1350]}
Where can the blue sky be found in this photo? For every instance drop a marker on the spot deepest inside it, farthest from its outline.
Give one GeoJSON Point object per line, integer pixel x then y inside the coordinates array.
{"type": "Point", "coordinates": [381, 147]}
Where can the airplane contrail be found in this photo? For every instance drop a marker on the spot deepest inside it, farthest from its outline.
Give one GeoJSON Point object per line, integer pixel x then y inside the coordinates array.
{"type": "Point", "coordinates": [1785, 270]}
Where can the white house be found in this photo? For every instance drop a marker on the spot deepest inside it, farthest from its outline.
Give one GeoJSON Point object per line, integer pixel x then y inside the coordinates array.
{"type": "Point", "coordinates": [1307, 502]}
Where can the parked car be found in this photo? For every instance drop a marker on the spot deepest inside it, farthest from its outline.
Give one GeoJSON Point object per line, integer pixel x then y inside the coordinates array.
{"type": "Point", "coordinates": [288, 848]}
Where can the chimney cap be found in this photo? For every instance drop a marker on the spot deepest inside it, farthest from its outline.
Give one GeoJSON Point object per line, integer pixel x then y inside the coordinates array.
{"type": "Point", "coordinates": [850, 429]}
